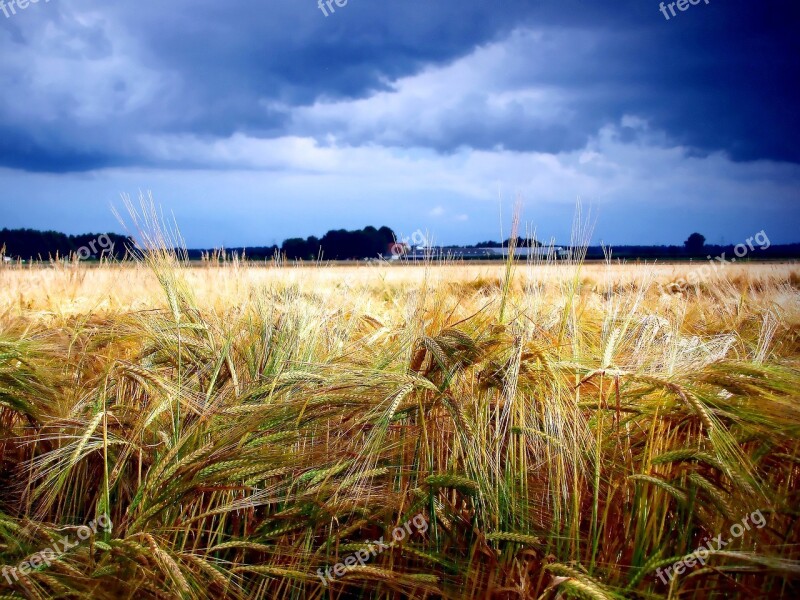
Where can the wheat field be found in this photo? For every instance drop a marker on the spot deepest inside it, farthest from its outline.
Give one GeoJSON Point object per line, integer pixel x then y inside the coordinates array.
{"type": "Point", "coordinates": [557, 430]}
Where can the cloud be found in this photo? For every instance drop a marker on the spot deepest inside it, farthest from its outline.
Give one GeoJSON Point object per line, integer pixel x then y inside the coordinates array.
{"type": "Point", "coordinates": [484, 100]}
{"type": "Point", "coordinates": [644, 190]}
{"type": "Point", "coordinates": [82, 81]}
{"type": "Point", "coordinates": [384, 110]}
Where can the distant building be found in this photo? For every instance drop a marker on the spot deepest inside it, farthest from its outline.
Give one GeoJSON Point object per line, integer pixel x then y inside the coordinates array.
{"type": "Point", "coordinates": [396, 249]}
{"type": "Point", "coordinates": [539, 252]}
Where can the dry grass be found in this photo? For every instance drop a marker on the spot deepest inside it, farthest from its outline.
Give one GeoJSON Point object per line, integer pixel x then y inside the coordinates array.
{"type": "Point", "coordinates": [565, 429]}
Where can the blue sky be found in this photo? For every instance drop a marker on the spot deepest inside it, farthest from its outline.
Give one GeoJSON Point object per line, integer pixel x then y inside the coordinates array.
{"type": "Point", "coordinates": [255, 122]}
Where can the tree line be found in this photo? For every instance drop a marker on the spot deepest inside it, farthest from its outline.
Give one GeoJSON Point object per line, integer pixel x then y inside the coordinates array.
{"type": "Point", "coordinates": [337, 244]}
{"type": "Point", "coordinates": [340, 244]}
{"type": "Point", "coordinates": [30, 244]}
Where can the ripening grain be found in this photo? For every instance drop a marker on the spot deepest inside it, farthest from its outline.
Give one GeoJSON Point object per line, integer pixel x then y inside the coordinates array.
{"type": "Point", "coordinates": [565, 435]}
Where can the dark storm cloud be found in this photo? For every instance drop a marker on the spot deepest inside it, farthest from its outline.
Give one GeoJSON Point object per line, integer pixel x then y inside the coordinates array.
{"type": "Point", "coordinates": [722, 76]}
{"type": "Point", "coordinates": [21, 150]}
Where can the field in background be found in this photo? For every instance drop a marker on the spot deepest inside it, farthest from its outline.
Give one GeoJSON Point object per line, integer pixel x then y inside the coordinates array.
{"type": "Point", "coordinates": [62, 289]}
{"type": "Point", "coordinates": [564, 430]}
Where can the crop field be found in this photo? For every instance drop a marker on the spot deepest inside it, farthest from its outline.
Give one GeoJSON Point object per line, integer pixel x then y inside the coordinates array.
{"type": "Point", "coordinates": [548, 430]}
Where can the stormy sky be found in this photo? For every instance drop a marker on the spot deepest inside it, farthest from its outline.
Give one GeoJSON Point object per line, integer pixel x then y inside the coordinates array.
{"type": "Point", "coordinates": [253, 122]}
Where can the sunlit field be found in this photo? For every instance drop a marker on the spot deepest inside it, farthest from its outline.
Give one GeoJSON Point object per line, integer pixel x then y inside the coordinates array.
{"type": "Point", "coordinates": [550, 430]}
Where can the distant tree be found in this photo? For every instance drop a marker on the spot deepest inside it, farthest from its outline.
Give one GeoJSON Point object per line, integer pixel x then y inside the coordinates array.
{"type": "Point", "coordinates": [521, 242]}
{"type": "Point", "coordinates": [313, 247]}
{"type": "Point", "coordinates": [387, 235]}
{"type": "Point", "coordinates": [43, 245]}
{"type": "Point", "coordinates": [695, 243]}
{"type": "Point", "coordinates": [296, 248]}
{"type": "Point", "coordinates": [340, 244]}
